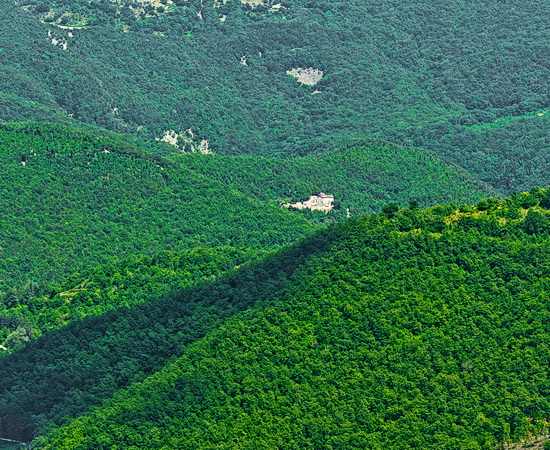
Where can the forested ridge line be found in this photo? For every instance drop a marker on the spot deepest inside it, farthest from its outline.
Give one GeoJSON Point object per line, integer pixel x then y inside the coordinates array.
{"type": "Point", "coordinates": [413, 328]}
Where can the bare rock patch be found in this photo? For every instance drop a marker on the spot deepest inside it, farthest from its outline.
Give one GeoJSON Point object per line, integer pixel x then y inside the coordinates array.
{"type": "Point", "coordinates": [307, 76]}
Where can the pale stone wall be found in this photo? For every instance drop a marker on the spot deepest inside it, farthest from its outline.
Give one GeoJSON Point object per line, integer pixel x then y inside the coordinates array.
{"type": "Point", "coordinates": [320, 202]}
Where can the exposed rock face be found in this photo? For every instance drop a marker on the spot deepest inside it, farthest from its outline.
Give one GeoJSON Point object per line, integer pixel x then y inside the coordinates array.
{"type": "Point", "coordinates": [72, 15]}
{"type": "Point", "coordinates": [309, 76]}
{"type": "Point", "coordinates": [58, 41]}
{"type": "Point", "coordinates": [253, 3]}
{"type": "Point", "coordinates": [318, 202]}
{"type": "Point", "coordinates": [170, 137]}
{"type": "Point", "coordinates": [186, 141]}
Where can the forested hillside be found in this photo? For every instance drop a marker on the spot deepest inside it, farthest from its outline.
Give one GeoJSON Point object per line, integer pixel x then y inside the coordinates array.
{"type": "Point", "coordinates": [73, 198]}
{"type": "Point", "coordinates": [260, 224]}
{"type": "Point", "coordinates": [363, 177]}
{"type": "Point", "coordinates": [94, 221]}
{"type": "Point", "coordinates": [415, 328]}
{"type": "Point", "coordinates": [465, 79]}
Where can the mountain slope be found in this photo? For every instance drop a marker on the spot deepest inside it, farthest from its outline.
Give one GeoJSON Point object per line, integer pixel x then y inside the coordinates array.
{"type": "Point", "coordinates": [78, 366]}
{"type": "Point", "coordinates": [417, 73]}
{"type": "Point", "coordinates": [75, 197]}
{"type": "Point", "coordinates": [417, 328]}
{"type": "Point", "coordinates": [166, 279]}
{"type": "Point", "coordinates": [510, 151]}
{"type": "Point", "coordinates": [363, 178]}
{"type": "Point", "coordinates": [97, 224]}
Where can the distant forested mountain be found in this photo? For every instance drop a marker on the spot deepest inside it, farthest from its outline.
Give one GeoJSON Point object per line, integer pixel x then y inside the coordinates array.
{"type": "Point", "coordinates": [465, 79]}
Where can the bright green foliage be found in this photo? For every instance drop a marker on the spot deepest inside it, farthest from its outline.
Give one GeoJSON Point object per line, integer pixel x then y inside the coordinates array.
{"type": "Point", "coordinates": [72, 199]}
{"type": "Point", "coordinates": [420, 73]}
{"type": "Point", "coordinates": [426, 329]}
{"type": "Point", "coordinates": [362, 178]}
{"type": "Point", "coordinates": [96, 223]}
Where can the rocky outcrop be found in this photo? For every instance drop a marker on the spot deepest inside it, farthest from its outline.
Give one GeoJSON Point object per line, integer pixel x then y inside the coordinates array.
{"type": "Point", "coordinates": [186, 141]}
{"type": "Point", "coordinates": [308, 76]}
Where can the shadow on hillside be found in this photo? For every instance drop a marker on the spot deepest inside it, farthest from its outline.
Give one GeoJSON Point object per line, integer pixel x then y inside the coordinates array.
{"type": "Point", "coordinates": [67, 371]}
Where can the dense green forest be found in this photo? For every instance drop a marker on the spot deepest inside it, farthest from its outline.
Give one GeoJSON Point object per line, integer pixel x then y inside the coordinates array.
{"type": "Point", "coordinates": [413, 328]}
{"type": "Point", "coordinates": [80, 204]}
{"type": "Point", "coordinates": [425, 74]}
{"type": "Point", "coordinates": [74, 198]}
{"type": "Point", "coordinates": [363, 177]}
{"type": "Point", "coordinates": [259, 224]}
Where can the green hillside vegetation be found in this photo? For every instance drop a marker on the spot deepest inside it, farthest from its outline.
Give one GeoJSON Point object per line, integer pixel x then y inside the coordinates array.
{"type": "Point", "coordinates": [492, 150]}
{"type": "Point", "coordinates": [363, 177]}
{"type": "Point", "coordinates": [161, 284]}
{"type": "Point", "coordinates": [76, 199]}
{"type": "Point", "coordinates": [83, 210]}
{"type": "Point", "coordinates": [11, 445]}
{"type": "Point", "coordinates": [121, 284]}
{"type": "Point", "coordinates": [96, 223]}
{"type": "Point", "coordinates": [71, 369]}
{"type": "Point", "coordinates": [73, 199]}
{"type": "Point", "coordinates": [415, 328]}
{"type": "Point", "coordinates": [419, 73]}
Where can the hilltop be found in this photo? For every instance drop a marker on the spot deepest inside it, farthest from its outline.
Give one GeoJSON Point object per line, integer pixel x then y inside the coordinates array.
{"type": "Point", "coordinates": [412, 328]}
